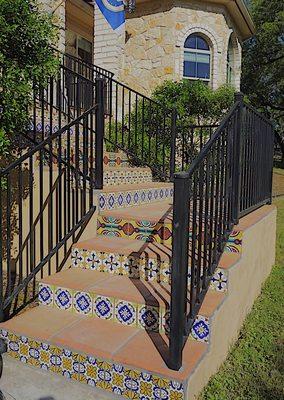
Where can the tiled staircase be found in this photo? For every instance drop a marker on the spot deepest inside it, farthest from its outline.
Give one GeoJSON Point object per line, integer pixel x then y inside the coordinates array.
{"type": "Point", "coordinates": [104, 321]}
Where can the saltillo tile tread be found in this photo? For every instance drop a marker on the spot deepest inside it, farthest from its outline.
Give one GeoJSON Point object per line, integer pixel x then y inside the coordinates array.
{"type": "Point", "coordinates": [121, 299]}
{"type": "Point", "coordinates": [103, 354]}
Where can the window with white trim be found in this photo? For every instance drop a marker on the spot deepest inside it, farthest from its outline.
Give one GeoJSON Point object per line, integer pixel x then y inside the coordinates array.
{"type": "Point", "coordinates": [197, 58]}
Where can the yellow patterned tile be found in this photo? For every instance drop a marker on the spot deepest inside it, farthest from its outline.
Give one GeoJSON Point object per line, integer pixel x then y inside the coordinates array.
{"type": "Point", "coordinates": [176, 395]}
{"type": "Point", "coordinates": [104, 385]}
{"type": "Point", "coordinates": [92, 371]}
{"type": "Point", "coordinates": [24, 349]}
{"type": "Point", "coordinates": [162, 383]}
{"type": "Point", "coordinates": [131, 395]}
{"type": "Point", "coordinates": [117, 379]}
{"type": "Point", "coordinates": [146, 388]}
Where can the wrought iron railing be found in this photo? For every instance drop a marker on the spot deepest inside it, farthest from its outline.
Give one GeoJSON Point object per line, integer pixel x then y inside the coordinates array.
{"type": "Point", "coordinates": [140, 127]}
{"type": "Point", "coordinates": [46, 199]}
{"type": "Point", "coordinates": [230, 177]}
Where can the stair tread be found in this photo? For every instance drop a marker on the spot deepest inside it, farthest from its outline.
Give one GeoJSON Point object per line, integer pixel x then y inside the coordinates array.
{"type": "Point", "coordinates": [155, 212]}
{"type": "Point", "coordinates": [138, 291]}
{"type": "Point", "coordinates": [134, 186]}
{"type": "Point", "coordinates": [104, 339]}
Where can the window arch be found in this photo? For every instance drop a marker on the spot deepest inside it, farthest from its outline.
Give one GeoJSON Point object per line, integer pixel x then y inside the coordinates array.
{"type": "Point", "coordinates": [230, 62]}
{"type": "Point", "coordinates": [197, 58]}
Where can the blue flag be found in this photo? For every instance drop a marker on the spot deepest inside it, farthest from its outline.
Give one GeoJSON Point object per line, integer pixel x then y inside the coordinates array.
{"type": "Point", "coordinates": [113, 11]}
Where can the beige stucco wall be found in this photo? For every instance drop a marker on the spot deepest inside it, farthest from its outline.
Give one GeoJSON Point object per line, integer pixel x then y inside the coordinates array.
{"type": "Point", "coordinates": [156, 34]}
{"type": "Point", "coordinates": [245, 281]}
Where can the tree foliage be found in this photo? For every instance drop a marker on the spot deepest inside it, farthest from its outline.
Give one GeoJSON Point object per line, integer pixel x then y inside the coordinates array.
{"type": "Point", "coordinates": [263, 61]}
{"type": "Point", "coordinates": [26, 57]}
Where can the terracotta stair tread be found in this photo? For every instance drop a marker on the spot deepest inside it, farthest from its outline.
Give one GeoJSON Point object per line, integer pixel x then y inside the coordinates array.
{"type": "Point", "coordinates": [156, 212]}
{"type": "Point", "coordinates": [137, 291]}
{"type": "Point", "coordinates": [104, 339]}
{"type": "Point", "coordinates": [126, 246]}
{"type": "Point", "coordinates": [138, 186]}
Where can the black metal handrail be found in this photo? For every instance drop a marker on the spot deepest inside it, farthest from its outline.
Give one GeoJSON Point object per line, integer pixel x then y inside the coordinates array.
{"type": "Point", "coordinates": [222, 184]}
{"type": "Point", "coordinates": [46, 198]}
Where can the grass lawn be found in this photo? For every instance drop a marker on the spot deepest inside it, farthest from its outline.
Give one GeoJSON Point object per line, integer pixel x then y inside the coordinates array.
{"type": "Point", "coordinates": [254, 369]}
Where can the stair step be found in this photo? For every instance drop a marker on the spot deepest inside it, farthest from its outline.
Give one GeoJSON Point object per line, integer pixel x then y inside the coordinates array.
{"type": "Point", "coordinates": [122, 299]}
{"type": "Point", "coordinates": [150, 223]}
{"type": "Point", "coordinates": [149, 261]}
{"type": "Point", "coordinates": [126, 176]}
{"type": "Point", "coordinates": [117, 358]}
{"type": "Point", "coordinates": [124, 196]}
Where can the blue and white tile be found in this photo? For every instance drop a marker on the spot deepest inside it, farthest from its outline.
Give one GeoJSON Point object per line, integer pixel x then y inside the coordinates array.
{"type": "Point", "coordinates": [126, 313]}
{"type": "Point", "coordinates": [219, 280]}
{"type": "Point", "coordinates": [63, 299]}
{"type": "Point", "coordinates": [201, 329]}
{"type": "Point", "coordinates": [103, 307]}
{"type": "Point", "coordinates": [148, 318]}
{"type": "Point", "coordinates": [45, 294]}
{"type": "Point", "coordinates": [83, 303]}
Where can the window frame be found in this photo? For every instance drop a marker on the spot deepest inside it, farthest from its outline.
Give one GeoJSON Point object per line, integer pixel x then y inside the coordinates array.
{"type": "Point", "coordinates": [198, 51]}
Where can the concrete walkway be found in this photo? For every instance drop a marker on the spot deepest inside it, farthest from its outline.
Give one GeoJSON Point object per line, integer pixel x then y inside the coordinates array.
{"type": "Point", "coordinates": [22, 382]}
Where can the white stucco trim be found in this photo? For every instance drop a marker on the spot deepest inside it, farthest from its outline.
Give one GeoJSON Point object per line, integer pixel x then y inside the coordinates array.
{"type": "Point", "coordinates": [216, 45]}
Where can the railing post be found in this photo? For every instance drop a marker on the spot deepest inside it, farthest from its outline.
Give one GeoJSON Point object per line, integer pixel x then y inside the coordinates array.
{"type": "Point", "coordinates": [179, 269]}
{"type": "Point", "coordinates": [100, 129]}
{"type": "Point", "coordinates": [239, 97]}
{"type": "Point", "coordinates": [173, 144]}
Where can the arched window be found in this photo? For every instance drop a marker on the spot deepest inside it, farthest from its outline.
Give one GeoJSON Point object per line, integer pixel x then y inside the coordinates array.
{"type": "Point", "coordinates": [230, 63]}
{"type": "Point", "coordinates": [197, 58]}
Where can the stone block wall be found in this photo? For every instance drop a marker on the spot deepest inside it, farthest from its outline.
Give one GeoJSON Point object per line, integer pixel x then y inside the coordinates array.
{"type": "Point", "coordinates": [156, 34]}
{"type": "Point", "coordinates": [57, 8]}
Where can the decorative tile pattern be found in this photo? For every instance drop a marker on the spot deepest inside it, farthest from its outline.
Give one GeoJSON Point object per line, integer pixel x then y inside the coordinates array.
{"type": "Point", "coordinates": [112, 201]}
{"type": "Point", "coordinates": [235, 241]}
{"type": "Point", "coordinates": [123, 176]}
{"type": "Point", "coordinates": [201, 329]}
{"type": "Point", "coordinates": [219, 280]}
{"type": "Point", "coordinates": [135, 266]}
{"type": "Point", "coordinates": [45, 295]}
{"type": "Point", "coordinates": [126, 313]}
{"type": "Point", "coordinates": [112, 377]}
{"type": "Point", "coordinates": [118, 160]}
{"type": "Point", "coordinates": [148, 318]}
{"type": "Point", "coordinates": [83, 303]}
{"type": "Point", "coordinates": [103, 307]}
{"type": "Point", "coordinates": [63, 299]}
{"type": "Point", "coordinates": [137, 230]}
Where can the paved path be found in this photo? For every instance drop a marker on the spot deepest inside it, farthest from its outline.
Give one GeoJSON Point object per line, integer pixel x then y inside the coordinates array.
{"type": "Point", "coordinates": [22, 382]}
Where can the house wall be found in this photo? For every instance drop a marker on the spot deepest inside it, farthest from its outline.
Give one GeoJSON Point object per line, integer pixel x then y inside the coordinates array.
{"type": "Point", "coordinates": [58, 9]}
{"type": "Point", "coordinates": [150, 50]}
{"type": "Point", "coordinates": [157, 32]}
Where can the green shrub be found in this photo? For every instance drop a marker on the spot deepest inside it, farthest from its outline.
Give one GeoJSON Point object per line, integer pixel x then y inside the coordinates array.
{"type": "Point", "coordinates": [26, 58]}
{"type": "Point", "coordinates": [196, 104]}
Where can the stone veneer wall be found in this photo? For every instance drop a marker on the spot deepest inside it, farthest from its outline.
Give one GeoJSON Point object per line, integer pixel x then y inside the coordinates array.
{"type": "Point", "coordinates": [56, 7]}
{"type": "Point", "coordinates": [156, 34]}
{"type": "Point", "coordinates": [150, 49]}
